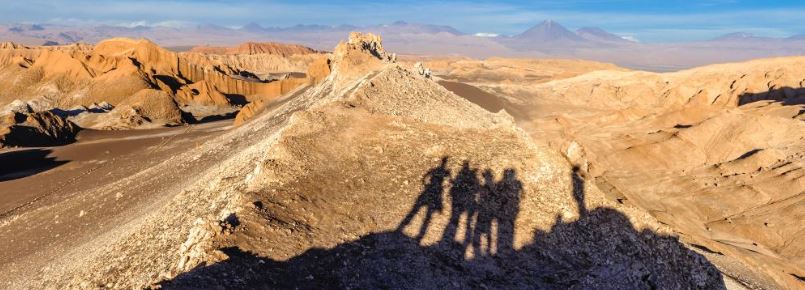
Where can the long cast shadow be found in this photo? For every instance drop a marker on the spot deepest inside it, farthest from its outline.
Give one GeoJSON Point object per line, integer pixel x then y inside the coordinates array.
{"type": "Point", "coordinates": [599, 250]}
{"type": "Point", "coordinates": [24, 163]}
{"type": "Point", "coordinates": [788, 96]}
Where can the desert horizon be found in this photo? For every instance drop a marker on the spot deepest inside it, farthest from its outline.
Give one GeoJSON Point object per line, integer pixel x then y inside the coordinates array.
{"type": "Point", "coordinates": [545, 39]}
{"type": "Point", "coordinates": [224, 145]}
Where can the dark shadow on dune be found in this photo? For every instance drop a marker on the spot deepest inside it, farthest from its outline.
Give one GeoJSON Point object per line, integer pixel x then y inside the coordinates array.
{"type": "Point", "coordinates": [190, 119]}
{"type": "Point", "coordinates": [75, 112]}
{"type": "Point", "coordinates": [473, 94]}
{"type": "Point", "coordinates": [24, 163]}
{"type": "Point", "coordinates": [600, 249]}
{"type": "Point", "coordinates": [213, 118]}
{"type": "Point", "coordinates": [786, 95]}
{"type": "Point", "coordinates": [483, 99]}
{"type": "Point", "coordinates": [237, 99]}
{"type": "Point", "coordinates": [169, 81]}
{"type": "Point", "coordinates": [26, 136]}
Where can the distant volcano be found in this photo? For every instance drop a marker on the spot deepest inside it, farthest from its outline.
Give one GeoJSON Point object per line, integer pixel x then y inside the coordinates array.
{"type": "Point", "coordinates": [549, 30]}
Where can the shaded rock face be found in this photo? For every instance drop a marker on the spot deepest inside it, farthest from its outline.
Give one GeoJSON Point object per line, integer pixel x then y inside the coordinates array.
{"type": "Point", "coordinates": [151, 106]}
{"type": "Point", "coordinates": [35, 129]}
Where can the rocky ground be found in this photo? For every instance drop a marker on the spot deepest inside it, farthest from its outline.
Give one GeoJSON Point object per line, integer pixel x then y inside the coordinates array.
{"type": "Point", "coordinates": [381, 173]}
{"type": "Point", "coordinates": [715, 152]}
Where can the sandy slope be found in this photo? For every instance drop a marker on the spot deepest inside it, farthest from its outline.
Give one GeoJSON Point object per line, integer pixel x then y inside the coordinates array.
{"type": "Point", "coordinates": [715, 152]}
{"type": "Point", "coordinates": [75, 193]}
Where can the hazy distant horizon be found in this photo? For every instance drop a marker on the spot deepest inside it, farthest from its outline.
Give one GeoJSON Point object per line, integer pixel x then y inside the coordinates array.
{"type": "Point", "coordinates": [182, 25]}
{"type": "Point", "coordinates": [645, 21]}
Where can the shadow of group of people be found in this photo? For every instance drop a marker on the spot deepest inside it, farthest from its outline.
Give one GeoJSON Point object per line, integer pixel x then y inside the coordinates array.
{"type": "Point", "coordinates": [599, 250]}
{"type": "Point", "coordinates": [487, 207]}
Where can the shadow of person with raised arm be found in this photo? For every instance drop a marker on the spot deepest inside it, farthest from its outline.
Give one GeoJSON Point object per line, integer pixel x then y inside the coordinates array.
{"type": "Point", "coordinates": [431, 198]}
{"type": "Point", "coordinates": [463, 198]}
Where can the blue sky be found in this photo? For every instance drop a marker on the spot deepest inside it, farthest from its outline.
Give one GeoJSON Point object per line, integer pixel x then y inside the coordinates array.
{"type": "Point", "coordinates": [648, 21]}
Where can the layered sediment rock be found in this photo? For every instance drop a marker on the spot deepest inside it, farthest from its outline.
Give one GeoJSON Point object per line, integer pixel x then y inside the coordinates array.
{"type": "Point", "coordinates": [115, 70]}
{"type": "Point", "coordinates": [252, 48]}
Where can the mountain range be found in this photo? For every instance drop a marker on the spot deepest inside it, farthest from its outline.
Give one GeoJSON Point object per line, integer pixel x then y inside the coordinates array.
{"type": "Point", "coordinates": [548, 39]}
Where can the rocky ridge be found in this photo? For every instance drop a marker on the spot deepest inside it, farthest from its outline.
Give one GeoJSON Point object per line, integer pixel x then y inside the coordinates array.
{"type": "Point", "coordinates": [327, 189]}
{"type": "Point", "coordinates": [252, 48]}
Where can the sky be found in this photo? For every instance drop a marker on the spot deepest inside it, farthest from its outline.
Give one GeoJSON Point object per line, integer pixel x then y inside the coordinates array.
{"type": "Point", "coordinates": [646, 21]}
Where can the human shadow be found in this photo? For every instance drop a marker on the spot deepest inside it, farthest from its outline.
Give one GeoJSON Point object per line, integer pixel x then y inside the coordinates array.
{"type": "Point", "coordinates": [24, 163]}
{"type": "Point", "coordinates": [463, 203]}
{"type": "Point", "coordinates": [596, 249]}
{"type": "Point", "coordinates": [430, 199]}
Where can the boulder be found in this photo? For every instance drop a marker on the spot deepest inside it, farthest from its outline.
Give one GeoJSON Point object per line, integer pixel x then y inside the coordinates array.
{"type": "Point", "coordinates": [35, 129]}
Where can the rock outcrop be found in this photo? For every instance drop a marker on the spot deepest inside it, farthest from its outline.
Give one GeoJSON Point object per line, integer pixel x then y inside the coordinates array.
{"type": "Point", "coordinates": [359, 54]}
{"type": "Point", "coordinates": [24, 129]}
{"type": "Point", "coordinates": [316, 73]}
{"type": "Point", "coordinates": [11, 45]}
{"type": "Point", "coordinates": [115, 70]}
{"type": "Point", "coordinates": [257, 67]}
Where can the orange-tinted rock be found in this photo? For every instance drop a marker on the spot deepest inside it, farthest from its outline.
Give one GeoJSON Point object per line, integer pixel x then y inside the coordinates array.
{"type": "Point", "coordinates": [249, 111]}
{"type": "Point", "coordinates": [318, 70]}
{"type": "Point", "coordinates": [116, 69]}
{"type": "Point", "coordinates": [257, 48]}
{"type": "Point", "coordinates": [201, 93]}
{"type": "Point", "coordinates": [154, 105]}
{"type": "Point", "coordinates": [360, 54]}
{"type": "Point", "coordinates": [35, 129]}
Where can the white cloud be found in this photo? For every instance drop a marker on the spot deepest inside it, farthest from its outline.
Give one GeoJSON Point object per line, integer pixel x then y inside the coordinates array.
{"type": "Point", "coordinates": [630, 38]}
{"type": "Point", "coordinates": [133, 24]}
{"type": "Point", "coordinates": [486, 34]}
